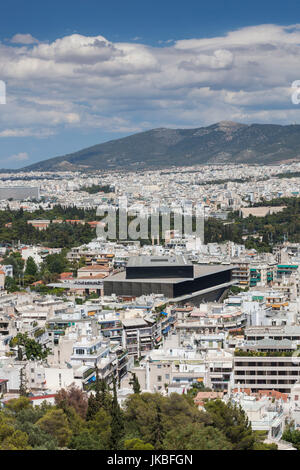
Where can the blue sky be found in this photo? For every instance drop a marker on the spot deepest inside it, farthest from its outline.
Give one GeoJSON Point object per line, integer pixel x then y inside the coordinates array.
{"type": "Point", "coordinates": [151, 20]}
{"type": "Point", "coordinates": [79, 73]}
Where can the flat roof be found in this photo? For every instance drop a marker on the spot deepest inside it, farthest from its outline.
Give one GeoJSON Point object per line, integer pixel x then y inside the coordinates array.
{"type": "Point", "coordinates": [163, 261]}
{"type": "Point", "coordinates": [134, 322]}
{"type": "Point", "coordinates": [281, 330]}
{"type": "Point", "coordinates": [270, 343]}
{"type": "Point", "coordinates": [199, 271]}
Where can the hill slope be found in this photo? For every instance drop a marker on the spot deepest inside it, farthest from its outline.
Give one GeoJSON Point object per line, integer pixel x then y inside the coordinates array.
{"type": "Point", "coordinates": [219, 143]}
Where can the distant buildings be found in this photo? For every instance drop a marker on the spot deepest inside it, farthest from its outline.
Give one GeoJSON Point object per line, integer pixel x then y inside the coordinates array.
{"type": "Point", "coordinates": [39, 224]}
{"type": "Point", "coordinates": [260, 211]}
{"type": "Point", "coordinates": [19, 193]}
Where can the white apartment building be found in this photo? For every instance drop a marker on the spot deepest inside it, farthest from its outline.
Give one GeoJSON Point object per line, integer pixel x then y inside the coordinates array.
{"type": "Point", "coordinates": [266, 373]}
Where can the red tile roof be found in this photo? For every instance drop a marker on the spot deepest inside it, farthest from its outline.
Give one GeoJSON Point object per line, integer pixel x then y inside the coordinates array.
{"type": "Point", "coordinates": [42, 396]}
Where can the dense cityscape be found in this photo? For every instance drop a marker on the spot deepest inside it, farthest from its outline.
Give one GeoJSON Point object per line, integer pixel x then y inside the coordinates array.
{"type": "Point", "coordinates": [149, 231]}
{"type": "Point", "coordinates": [95, 332]}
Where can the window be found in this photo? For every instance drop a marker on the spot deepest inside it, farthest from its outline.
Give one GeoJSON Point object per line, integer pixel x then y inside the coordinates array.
{"type": "Point", "coordinates": [167, 376]}
{"type": "Point", "coordinates": [296, 398]}
{"type": "Point", "coordinates": [159, 378]}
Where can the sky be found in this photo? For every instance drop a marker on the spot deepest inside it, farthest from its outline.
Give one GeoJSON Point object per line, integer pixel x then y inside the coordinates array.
{"type": "Point", "coordinates": [78, 73]}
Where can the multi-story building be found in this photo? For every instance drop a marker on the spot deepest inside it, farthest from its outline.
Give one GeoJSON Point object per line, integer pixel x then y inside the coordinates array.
{"type": "Point", "coordinates": [219, 365]}
{"type": "Point", "coordinates": [267, 364]}
{"type": "Point", "coordinates": [140, 335]}
{"type": "Point", "coordinates": [262, 274]}
{"type": "Point", "coordinates": [167, 367]}
{"type": "Point", "coordinates": [278, 333]}
{"type": "Point", "coordinates": [286, 270]}
{"type": "Point", "coordinates": [241, 273]}
{"type": "Point", "coordinates": [249, 273]}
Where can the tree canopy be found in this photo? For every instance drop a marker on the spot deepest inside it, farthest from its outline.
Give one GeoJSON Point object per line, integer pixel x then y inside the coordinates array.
{"type": "Point", "coordinates": [145, 422]}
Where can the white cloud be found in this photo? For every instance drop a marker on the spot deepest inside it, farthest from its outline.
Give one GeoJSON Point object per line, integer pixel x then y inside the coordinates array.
{"type": "Point", "coordinates": [19, 157]}
{"type": "Point", "coordinates": [23, 39]}
{"type": "Point", "coordinates": [41, 133]}
{"type": "Point", "coordinates": [91, 83]}
{"type": "Point", "coordinates": [220, 59]}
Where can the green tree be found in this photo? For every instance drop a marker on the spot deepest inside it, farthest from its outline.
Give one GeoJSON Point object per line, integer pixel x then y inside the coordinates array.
{"type": "Point", "coordinates": [11, 284]}
{"type": "Point", "coordinates": [196, 437]}
{"type": "Point", "coordinates": [87, 440]}
{"type": "Point", "coordinates": [33, 350]}
{"type": "Point", "coordinates": [134, 382]}
{"type": "Point", "coordinates": [37, 438]}
{"type": "Point", "coordinates": [101, 399]}
{"type": "Point", "coordinates": [99, 430]}
{"type": "Point", "coordinates": [23, 382]}
{"type": "Point", "coordinates": [55, 263]}
{"type": "Point", "coordinates": [232, 421]}
{"type": "Point", "coordinates": [55, 423]}
{"type": "Point", "coordinates": [292, 435]}
{"type": "Point", "coordinates": [10, 437]}
{"type": "Point", "coordinates": [117, 422]}
{"type": "Point", "coordinates": [140, 415]}
{"type": "Point", "coordinates": [15, 259]}
{"type": "Point", "coordinates": [26, 418]}
{"type": "Point", "coordinates": [18, 404]}
{"type": "Point", "coordinates": [137, 444]}
{"type": "Point", "coordinates": [158, 431]}
{"type": "Point", "coordinates": [31, 267]}
{"type": "Point", "coordinates": [17, 440]}
{"type": "Point", "coordinates": [92, 407]}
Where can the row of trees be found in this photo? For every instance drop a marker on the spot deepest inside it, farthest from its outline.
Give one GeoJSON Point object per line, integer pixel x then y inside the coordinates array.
{"type": "Point", "coordinates": [145, 422]}
{"type": "Point", "coordinates": [56, 235]}
{"type": "Point", "coordinates": [271, 228]}
{"type": "Point", "coordinates": [96, 188]}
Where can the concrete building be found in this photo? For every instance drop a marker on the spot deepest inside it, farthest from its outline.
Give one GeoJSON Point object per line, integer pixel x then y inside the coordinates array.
{"type": "Point", "coordinates": [264, 413]}
{"type": "Point", "coordinates": [279, 333]}
{"type": "Point", "coordinates": [39, 224]}
{"type": "Point", "coordinates": [163, 368]}
{"type": "Point", "coordinates": [271, 369]}
{"type": "Point", "coordinates": [173, 277]}
{"type": "Point", "coordinates": [140, 335]}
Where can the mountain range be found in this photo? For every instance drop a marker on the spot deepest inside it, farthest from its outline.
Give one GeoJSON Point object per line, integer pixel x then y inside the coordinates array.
{"type": "Point", "coordinates": [224, 142]}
